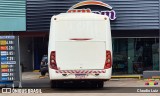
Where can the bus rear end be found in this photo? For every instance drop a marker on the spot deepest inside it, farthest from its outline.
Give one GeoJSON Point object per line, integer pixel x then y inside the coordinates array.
{"type": "Point", "coordinates": [80, 48]}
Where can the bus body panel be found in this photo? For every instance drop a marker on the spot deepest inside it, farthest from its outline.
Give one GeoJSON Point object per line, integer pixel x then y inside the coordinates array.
{"type": "Point", "coordinates": [80, 55]}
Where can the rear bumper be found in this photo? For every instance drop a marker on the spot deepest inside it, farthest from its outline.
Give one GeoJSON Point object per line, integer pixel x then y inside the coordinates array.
{"type": "Point", "coordinates": [75, 80]}
{"type": "Point", "coordinates": [104, 74]}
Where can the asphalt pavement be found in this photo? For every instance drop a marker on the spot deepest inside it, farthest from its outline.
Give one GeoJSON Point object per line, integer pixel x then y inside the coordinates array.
{"type": "Point", "coordinates": [114, 87]}
{"type": "Point", "coordinates": [126, 85]}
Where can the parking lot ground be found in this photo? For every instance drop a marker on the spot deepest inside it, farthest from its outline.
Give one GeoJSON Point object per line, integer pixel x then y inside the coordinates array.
{"type": "Point", "coordinates": [114, 87]}
{"type": "Point", "coordinates": [34, 79]}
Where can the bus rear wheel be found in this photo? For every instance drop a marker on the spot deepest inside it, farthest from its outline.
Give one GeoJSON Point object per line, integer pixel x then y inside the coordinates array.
{"type": "Point", "coordinates": [97, 84]}
{"type": "Point", "coordinates": [54, 84]}
{"type": "Point", "coordinates": [100, 84]}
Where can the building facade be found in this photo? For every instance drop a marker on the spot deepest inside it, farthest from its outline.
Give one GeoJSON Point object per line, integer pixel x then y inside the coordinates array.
{"type": "Point", "coordinates": [135, 31]}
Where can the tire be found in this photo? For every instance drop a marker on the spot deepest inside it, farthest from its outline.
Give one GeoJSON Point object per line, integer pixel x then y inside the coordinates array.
{"type": "Point", "coordinates": [93, 84]}
{"type": "Point", "coordinates": [43, 73]}
{"type": "Point", "coordinates": [53, 84]}
{"type": "Point", "coordinates": [100, 84]}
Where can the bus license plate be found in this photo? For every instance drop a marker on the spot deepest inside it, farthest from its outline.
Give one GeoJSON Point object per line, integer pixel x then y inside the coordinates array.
{"type": "Point", "coordinates": [80, 76]}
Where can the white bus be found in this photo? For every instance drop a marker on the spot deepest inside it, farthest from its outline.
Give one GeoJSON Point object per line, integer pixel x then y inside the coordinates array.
{"type": "Point", "coordinates": [80, 48]}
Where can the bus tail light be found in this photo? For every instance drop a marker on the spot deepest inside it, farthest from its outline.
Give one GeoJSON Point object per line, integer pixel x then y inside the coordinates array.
{"type": "Point", "coordinates": [108, 62]}
{"type": "Point", "coordinates": [53, 64]}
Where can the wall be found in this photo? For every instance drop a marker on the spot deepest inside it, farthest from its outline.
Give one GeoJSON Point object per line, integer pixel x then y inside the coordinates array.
{"type": "Point", "coordinates": [131, 14]}
{"type": "Point", "coordinates": [12, 15]}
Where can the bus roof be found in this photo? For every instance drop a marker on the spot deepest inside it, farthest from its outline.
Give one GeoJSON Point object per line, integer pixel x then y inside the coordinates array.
{"type": "Point", "coordinates": [80, 16]}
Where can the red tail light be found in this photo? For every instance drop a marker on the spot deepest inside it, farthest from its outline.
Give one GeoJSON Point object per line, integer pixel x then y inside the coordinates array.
{"type": "Point", "coordinates": [108, 62]}
{"type": "Point", "coordinates": [53, 63]}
